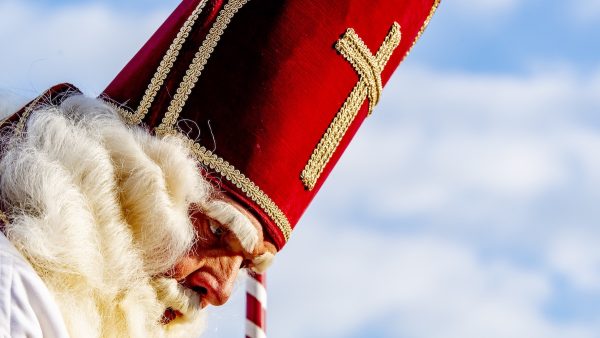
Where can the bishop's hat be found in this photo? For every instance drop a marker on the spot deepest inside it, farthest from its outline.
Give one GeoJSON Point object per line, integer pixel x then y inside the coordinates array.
{"type": "Point", "coordinates": [268, 94]}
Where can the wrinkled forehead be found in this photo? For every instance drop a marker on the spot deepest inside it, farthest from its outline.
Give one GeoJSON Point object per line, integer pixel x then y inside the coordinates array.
{"type": "Point", "coordinates": [245, 227]}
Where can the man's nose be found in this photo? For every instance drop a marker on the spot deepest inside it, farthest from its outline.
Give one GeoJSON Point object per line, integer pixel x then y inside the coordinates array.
{"type": "Point", "coordinates": [217, 290]}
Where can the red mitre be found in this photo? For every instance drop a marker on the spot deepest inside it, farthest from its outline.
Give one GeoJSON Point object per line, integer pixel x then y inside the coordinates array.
{"type": "Point", "coordinates": [268, 93]}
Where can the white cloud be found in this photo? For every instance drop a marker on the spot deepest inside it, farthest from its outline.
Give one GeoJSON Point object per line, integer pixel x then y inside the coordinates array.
{"type": "Point", "coordinates": [583, 144]}
{"type": "Point", "coordinates": [339, 282]}
{"type": "Point", "coordinates": [453, 98]}
{"type": "Point", "coordinates": [86, 44]}
{"type": "Point", "coordinates": [506, 153]}
{"type": "Point", "coordinates": [575, 255]}
{"type": "Point", "coordinates": [457, 144]}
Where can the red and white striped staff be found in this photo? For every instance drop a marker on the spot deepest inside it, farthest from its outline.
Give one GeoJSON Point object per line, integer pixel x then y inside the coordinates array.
{"type": "Point", "coordinates": [256, 306]}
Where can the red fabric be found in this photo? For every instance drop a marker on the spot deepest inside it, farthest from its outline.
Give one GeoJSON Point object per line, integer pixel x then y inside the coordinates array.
{"type": "Point", "coordinates": [272, 86]}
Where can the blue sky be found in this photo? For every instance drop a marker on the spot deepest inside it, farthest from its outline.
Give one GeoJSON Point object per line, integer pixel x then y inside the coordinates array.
{"type": "Point", "coordinates": [466, 206]}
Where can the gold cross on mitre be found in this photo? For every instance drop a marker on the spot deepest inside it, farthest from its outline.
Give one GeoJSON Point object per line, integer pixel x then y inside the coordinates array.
{"type": "Point", "coordinates": [369, 68]}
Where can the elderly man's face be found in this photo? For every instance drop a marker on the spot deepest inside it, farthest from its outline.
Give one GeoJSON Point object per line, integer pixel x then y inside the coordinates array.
{"type": "Point", "coordinates": [212, 266]}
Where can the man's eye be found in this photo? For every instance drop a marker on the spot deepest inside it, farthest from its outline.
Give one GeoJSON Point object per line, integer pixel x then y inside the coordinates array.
{"type": "Point", "coordinates": [216, 228]}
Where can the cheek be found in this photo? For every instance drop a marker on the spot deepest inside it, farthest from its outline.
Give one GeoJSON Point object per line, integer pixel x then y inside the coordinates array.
{"type": "Point", "coordinates": [186, 265]}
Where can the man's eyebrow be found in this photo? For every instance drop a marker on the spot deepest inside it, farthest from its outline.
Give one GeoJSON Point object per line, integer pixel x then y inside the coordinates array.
{"type": "Point", "coordinates": [238, 223]}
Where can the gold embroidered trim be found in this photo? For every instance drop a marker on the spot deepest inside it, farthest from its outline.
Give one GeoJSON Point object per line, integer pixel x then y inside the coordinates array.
{"type": "Point", "coordinates": [369, 86]}
{"type": "Point", "coordinates": [121, 109]}
{"type": "Point", "coordinates": [198, 63]}
{"type": "Point", "coordinates": [436, 3]}
{"type": "Point", "coordinates": [163, 69]}
{"type": "Point", "coordinates": [243, 183]}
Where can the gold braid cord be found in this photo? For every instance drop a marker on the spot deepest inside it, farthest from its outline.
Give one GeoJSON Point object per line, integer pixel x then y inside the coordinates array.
{"type": "Point", "coordinates": [197, 66]}
{"type": "Point", "coordinates": [162, 71]}
{"type": "Point", "coordinates": [369, 68]}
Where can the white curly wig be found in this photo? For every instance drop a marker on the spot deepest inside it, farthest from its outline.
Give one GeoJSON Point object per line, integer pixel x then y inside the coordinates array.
{"type": "Point", "coordinates": [100, 210]}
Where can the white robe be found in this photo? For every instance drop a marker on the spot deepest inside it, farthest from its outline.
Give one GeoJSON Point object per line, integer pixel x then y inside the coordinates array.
{"type": "Point", "coordinates": [27, 308]}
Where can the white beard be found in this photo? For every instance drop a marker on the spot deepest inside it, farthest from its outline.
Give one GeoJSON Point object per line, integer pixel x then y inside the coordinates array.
{"type": "Point", "coordinates": [100, 210]}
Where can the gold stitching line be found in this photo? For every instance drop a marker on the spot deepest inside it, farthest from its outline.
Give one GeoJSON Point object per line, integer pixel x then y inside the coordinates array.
{"type": "Point", "coordinates": [369, 85]}
{"type": "Point", "coordinates": [163, 69]}
{"type": "Point", "coordinates": [436, 3]}
{"type": "Point", "coordinates": [242, 182]}
{"type": "Point", "coordinates": [197, 66]}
